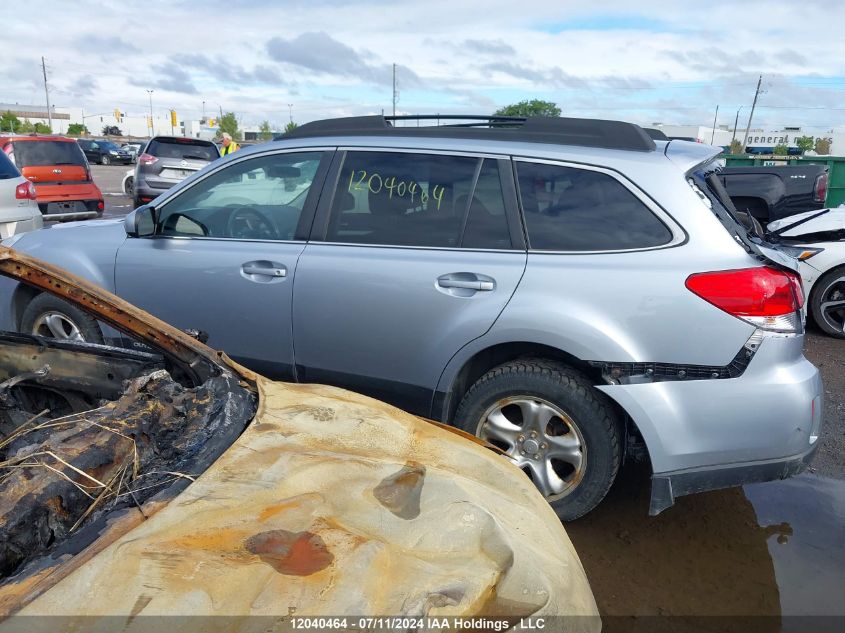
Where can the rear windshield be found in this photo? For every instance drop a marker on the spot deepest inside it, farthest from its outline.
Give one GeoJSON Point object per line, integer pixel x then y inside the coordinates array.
{"type": "Point", "coordinates": [197, 150]}
{"type": "Point", "coordinates": [29, 153]}
{"type": "Point", "coordinates": [7, 168]}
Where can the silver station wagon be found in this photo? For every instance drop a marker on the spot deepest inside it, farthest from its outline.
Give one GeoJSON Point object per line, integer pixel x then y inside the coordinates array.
{"type": "Point", "coordinates": [569, 290]}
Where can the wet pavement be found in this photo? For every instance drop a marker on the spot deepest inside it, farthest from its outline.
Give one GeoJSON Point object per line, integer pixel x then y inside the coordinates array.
{"type": "Point", "coordinates": [762, 557]}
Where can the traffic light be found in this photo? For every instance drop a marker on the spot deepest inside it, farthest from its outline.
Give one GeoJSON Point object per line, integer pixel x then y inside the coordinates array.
{"type": "Point", "coordinates": [149, 122]}
{"type": "Point", "coordinates": [118, 115]}
{"type": "Point", "coordinates": [173, 121]}
{"type": "Point", "coordinates": [211, 123]}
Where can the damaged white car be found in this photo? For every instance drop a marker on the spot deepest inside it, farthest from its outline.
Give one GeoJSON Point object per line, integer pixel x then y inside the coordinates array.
{"type": "Point", "coordinates": [168, 480]}
{"type": "Point", "coordinates": [817, 239]}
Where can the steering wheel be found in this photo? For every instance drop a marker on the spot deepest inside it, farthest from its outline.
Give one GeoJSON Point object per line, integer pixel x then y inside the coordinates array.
{"type": "Point", "coordinates": [249, 223]}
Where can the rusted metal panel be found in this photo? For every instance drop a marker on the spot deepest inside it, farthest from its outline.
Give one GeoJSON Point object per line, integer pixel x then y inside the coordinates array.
{"type": "Point", "coordinates": [322, 506]}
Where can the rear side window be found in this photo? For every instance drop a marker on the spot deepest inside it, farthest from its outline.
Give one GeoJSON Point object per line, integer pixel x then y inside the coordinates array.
{"type": "Point", "coordinates": [182, 149]}
{"type": "Point", "coordinates": [571, 209]}
{"type": "Point", "coordinates": [31, 153]}
{"type": "Point", "coordinates": [7, 168]}
{"type": "Point", "coordinates": [425, 200]}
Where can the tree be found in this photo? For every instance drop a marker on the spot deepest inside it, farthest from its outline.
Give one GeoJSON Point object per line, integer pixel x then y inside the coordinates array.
{"type": "Point", "coordinates": [9, 122]}
{"type": "Point", "coordinates": [736, 147]}
{"type": "Point", "coordinates": [42, 128]}
{"type": "Point", "coordinates": [822, 146]}
{"type": "Point", "coordinates": [534, 107]}
{"type": "Point", "coordinates": [264, 132]}
{"type": "Point", "coordinates": [805, 143]}
{"type": "Point", "coordinates": [780, 149]}
{"type": "Point", "coordinates": [111, 130]}
{"type": "Point", "coordinates": [228, 123]}
{"type": "Point", "coordinates": [28, 127]}
{"type": "Point", "coordinates": [290, 127]}
{"type": "Point", "coordinates": [77, 129]}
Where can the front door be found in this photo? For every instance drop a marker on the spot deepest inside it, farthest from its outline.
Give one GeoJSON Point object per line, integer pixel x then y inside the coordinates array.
{"type": "Point", "coordinates": [418, 260]}
{"type": "Point", "coordinates": [224, 256]}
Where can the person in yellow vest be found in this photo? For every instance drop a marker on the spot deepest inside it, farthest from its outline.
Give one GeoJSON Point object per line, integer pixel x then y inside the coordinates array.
{"type": "Point", "coordinates": [229, 145]}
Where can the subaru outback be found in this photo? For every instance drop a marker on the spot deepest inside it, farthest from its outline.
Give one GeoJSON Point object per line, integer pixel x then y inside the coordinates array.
{"type": "Point", "coordinates": [569, 290]}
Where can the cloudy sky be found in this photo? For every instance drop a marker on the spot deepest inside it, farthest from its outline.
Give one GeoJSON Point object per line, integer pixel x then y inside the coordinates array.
{"type": "Point", "coordinates": [648, 61]}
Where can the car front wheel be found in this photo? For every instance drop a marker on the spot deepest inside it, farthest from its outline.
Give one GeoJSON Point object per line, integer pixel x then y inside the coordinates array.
{"type": "Point", "coordinates": [52, 317]}
{"type": "Point", "coordinates": [827, 302]}
{"type": "Point", "coordinates": [553, 424]}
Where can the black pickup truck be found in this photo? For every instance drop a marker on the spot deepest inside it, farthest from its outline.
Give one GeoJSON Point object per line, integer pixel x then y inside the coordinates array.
{"type": "Point", "coordinates": [772, 193]}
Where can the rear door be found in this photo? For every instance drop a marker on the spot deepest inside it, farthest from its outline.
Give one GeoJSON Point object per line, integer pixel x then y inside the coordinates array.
{"type": "Point", "coordinates": [224, 256]}
{"type": "Point", "coordinates": [416, 255]}
{"type": "Point", "coordinates": [47, 162]}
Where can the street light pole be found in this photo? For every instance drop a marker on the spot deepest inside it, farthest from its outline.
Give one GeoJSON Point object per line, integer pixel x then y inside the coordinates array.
{"type": "Point", "coordinates": [290, 111]}
{"type": "Point", "coordinates": [152, 121]}
{"type": "Point", "coordinates": [751, 116]}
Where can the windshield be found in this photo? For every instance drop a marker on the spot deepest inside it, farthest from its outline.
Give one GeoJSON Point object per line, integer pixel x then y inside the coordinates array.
{"type": "Point", "coordinates": [34, 153]}
{"type": "Point", "coordinates": [107, 145]}
{"type": "Point", "coordinates": [197, 150]}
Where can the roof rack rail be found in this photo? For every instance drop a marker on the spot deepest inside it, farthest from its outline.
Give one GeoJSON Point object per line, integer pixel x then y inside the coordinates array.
{"type": "Point", "coordinates": [556, 130]}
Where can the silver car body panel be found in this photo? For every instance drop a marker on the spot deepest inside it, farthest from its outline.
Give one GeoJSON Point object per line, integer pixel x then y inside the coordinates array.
{"type": "Point", "coordinates": [348, 300]}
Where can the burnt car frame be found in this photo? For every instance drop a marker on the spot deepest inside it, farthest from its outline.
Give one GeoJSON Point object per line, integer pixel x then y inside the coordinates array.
{"type": "Point", "coordinates": [170, 480]}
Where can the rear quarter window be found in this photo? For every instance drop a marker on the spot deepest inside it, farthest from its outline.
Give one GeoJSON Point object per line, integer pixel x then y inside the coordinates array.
{"type": "Point", "coordinates": [180, 149]}
{"type": "Point", "coordinates": [32, 153]}
{"type": "Point", "coordinates": [7, 168]}
{"type": "Point", "coordinates": [572, 209]}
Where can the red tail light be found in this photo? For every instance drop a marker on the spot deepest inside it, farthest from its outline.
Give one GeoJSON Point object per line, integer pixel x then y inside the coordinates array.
{"type": "Point", "coordinates": [25, 191]}
{"type": "Point", "coordinates": [100, 205]}
{"type": "Point", "coordinates": [147, 159]}
{"type": "Point", "coordinates": [762, 296]}
{"type": "Point", "coordinates": [820, 190]}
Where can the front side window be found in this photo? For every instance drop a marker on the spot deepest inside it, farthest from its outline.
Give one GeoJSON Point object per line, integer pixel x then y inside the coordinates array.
{"type": "Point", "coordinates": [571, 209]}
{"type": "Point", "coordinates": [426, 200]}
{"type": "Point", "coordinates": [261, 198]}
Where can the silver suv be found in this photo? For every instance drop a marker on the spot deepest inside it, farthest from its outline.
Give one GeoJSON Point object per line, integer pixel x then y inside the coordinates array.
{"type": "Point", "coordinates": [167, 161]}
{"type": "Point", "coordinates": [569, 290]}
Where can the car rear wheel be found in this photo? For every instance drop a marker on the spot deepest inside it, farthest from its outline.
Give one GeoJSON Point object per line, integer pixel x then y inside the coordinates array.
{"type": "Point", "coordinates": [553, 424]}
{"type": "Point", "coordinates": [827, 302]}
{"type": "Point", "coordinates": [52, 317]}
{"type": "Point", "coordinates": [129, 186]}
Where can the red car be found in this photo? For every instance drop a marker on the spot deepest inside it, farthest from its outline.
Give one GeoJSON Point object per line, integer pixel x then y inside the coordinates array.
{"type": "Point", "coordinates": [60, 172]}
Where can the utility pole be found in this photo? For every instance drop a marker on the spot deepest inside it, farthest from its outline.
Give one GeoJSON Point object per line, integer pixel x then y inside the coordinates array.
{"type": "Point", "coordinates": [152, 121]}
{"type": "Point", "coordinates": [47, 93]}
{"type": "Point", "coordinates": [713, 135]}
{"type": "Point", "coordinates": [290, 112]}
{"type": "Point", "coordinates": [394, 89]}
{"type": "Point", "coordinates": [751, 116]}
{"type": "Point", "coordinates": [203, 111]}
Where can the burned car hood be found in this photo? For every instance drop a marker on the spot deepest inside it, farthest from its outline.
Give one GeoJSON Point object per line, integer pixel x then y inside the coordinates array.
{"type": "Point", "coordinates": [328, 503]}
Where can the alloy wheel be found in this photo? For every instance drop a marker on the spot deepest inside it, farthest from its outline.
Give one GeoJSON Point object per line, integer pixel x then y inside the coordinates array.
{"type": "Point", "coordinates": [541, 439]}
{"type": "Point", "coordinates": [57, 325]}
{"type": "Point", "coordinates": [832, 306]}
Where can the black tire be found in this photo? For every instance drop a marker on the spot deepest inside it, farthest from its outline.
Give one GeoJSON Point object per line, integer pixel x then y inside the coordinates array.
{"type": "Point", "coordinates": [43, 305]}
{"type": "Point", "coordinates": [829, 287]}
{"type": "Point", "coordinates": [105, 160]}
{"type": "Point", "coordinates": [591, 418]}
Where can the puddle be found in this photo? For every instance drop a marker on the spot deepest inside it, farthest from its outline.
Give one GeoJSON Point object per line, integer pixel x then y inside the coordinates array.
{"type": "Point", "coordinates": [765, 552]}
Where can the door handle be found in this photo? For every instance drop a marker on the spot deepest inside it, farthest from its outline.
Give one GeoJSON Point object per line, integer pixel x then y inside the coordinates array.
{"type": "Point", "coordinates": [466, 284]}
{"type": "Point", "coordinates": [267, 271]}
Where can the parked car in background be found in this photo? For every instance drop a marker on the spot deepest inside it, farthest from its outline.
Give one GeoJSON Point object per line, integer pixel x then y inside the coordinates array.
{"type": "Point", "coordinates": [172, 467]}
{"type": "Point", "coordinates": [134, 149]}
{"type": "Point", "coordinates": [817, 240]}
{"type": "Point", "coordinates": [166, 161]}
{"type": "Point", "coordinates": [569, 290]}
{"type": "Point", "coordinates": [769, 193]}
{"type": "Point", "coordinates": [18, 210]}
{"type": "Point", "coordinates": [104, 152]}
{"type": "Point", "coordinates": [56, 165]}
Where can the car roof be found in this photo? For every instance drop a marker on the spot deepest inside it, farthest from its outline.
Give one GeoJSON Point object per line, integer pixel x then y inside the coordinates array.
{"type": "Point", "coordinates": [597, 133]}
{"type": "Point", "coordinates": [181, 139]}
{"type": "Point", "coordinates": [40, 137]}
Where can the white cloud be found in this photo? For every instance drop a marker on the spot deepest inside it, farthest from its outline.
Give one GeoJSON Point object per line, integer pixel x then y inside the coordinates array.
{"type": "Point", "coordinates": [650, 61]}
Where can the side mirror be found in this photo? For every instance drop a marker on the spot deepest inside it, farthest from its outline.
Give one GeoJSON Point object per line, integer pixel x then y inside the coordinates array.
{"type": "Point", "coordinates": [141, 222]}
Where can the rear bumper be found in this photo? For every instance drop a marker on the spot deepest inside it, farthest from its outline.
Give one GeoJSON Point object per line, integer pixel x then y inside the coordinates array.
{"type": "Point", "coordinates": [665, 487]}
{"type": "Point", "coordinates": [704, 434]}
